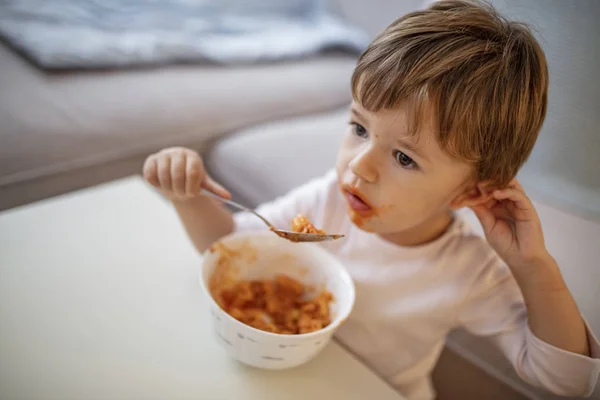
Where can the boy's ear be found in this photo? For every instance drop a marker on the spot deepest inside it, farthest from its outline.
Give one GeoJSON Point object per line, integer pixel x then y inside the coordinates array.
{"type": "Point", "coordinates": [474, 195]}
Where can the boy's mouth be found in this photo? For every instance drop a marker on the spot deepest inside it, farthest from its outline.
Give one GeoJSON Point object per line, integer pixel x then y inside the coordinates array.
{"type": "Point", "coordinates": [356, 200]}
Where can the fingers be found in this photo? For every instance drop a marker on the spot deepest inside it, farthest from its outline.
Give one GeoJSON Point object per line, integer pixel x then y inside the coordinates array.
{"type": "Point", "coordinates": [485, 216]}
{"type": "Point", "coordinates": [518, 197]}
{"type": "Point", "coordinates": [150, 171]}
{"type": "Point", "coordinates": [501, 211]}
{"type": "Point", "coordinates": [164, 173]}
{"type": "Point", "coordinates": [166, 170]}
{"type": "Point", "coordinates": [180, 173]}
{"type": "Point", "coordinates": [516, 185]}
{"type": "Point", "coordinates": [195, 176]}
{"type": "Point", "coordinates": [214, 187]}
{"type": "Point", "coordinates": [515, 204]}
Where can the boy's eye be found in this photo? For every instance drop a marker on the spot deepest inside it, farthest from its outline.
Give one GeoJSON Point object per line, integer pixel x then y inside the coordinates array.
{"type": "Point", "coordinates": [404, 160]}
{"type": "Point", "coordinates": [359, 130]}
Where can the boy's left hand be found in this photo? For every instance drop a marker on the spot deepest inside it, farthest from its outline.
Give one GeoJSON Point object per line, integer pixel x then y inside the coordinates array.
{"type": "Point", "coordinates": [513, 227]}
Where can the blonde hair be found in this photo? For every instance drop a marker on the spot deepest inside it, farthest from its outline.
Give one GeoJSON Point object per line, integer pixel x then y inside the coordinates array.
{"type": "Point", "coordinates": [483, 77]}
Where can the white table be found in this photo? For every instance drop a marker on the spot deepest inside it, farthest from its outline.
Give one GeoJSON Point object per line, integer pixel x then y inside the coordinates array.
{"type": "Point", "coordinates": [99, 299]}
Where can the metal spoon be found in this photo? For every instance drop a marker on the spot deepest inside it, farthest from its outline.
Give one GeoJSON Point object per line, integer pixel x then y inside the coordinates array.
{"type": "Point", "coordinates": [292, 236]}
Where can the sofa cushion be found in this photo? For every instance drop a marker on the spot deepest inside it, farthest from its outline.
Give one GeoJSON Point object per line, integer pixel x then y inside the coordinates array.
{"type": "Point", "coordinates": [266, 161]}
{"type": "Point", "coordinates": [52, 123]}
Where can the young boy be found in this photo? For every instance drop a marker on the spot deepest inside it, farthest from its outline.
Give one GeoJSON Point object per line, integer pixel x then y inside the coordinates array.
{"type": "Point", "coordinates": [448, 103]}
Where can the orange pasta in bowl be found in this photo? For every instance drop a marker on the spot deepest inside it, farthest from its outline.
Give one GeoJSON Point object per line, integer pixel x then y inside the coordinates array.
{"type": "Point", "coordinates": [276, 305]}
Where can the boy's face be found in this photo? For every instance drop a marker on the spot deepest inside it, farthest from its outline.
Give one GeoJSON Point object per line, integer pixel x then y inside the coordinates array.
{"type": "Point", "coordinates": [394, 182]}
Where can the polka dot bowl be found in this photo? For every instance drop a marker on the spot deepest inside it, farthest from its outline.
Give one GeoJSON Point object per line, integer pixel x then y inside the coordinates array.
{"type": "Point", "coordinates": [264, 255]}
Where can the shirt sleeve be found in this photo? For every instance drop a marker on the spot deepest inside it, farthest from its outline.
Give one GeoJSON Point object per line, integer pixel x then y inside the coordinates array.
{"type": "Point", "coordinates": [310, 200]}
{"type": "Point", "coordinates": [495, 308]}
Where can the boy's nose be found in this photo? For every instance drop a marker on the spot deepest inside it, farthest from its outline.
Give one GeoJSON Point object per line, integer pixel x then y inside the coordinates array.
{"type": "Point", "coordinates": [363, 165]}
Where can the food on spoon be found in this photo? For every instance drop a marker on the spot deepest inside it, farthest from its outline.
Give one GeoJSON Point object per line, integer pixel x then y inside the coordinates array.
{"type": "Point", "coordinates": [301, 224]}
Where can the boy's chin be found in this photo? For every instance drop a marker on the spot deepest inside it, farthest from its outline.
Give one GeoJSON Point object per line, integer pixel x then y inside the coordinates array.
{"type": "Point", "coordinates": [372, 224]}
{"type": "Point", "coordinates": [364, 223]}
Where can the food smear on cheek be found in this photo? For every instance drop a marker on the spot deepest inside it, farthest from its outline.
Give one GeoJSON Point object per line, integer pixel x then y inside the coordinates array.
{"type": "Point", "coordinates": [360, 219]}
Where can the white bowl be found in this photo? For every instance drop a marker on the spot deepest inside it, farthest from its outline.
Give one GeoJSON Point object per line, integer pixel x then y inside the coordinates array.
{"type": "Point", "coordinates": [267, 256]}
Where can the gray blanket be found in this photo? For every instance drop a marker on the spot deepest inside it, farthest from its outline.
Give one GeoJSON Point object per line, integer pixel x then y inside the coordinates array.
{"type": "Point", "coordinates": [114, 33]}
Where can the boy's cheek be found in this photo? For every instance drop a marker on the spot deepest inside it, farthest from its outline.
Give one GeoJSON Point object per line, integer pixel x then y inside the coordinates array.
{"type": "Point", "coordinates": [346, 152]}
{"type": "Point", "coordinates": [342, 165]}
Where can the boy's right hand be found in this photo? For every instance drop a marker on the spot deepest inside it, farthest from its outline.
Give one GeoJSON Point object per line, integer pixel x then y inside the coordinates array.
{"type": "Point", "coordinates": [179, 174]}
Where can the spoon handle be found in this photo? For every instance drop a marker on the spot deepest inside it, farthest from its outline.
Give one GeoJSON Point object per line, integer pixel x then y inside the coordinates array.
{"type": "Point", "coordinates": [234, 204]}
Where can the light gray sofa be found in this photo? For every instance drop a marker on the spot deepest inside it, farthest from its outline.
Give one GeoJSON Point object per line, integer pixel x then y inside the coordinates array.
{"type": "Point", "coordinates": [64, 131]}
{"type": "Point", "coordinates": [61, 132]}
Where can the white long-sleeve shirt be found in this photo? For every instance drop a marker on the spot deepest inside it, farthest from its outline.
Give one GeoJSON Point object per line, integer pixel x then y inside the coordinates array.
{"type": "Point", "coordinates": [409, 298]}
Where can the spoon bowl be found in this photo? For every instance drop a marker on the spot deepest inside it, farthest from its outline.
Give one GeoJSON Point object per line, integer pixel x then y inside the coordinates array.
{"type": "Point", "coordinates": [305, 237]}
